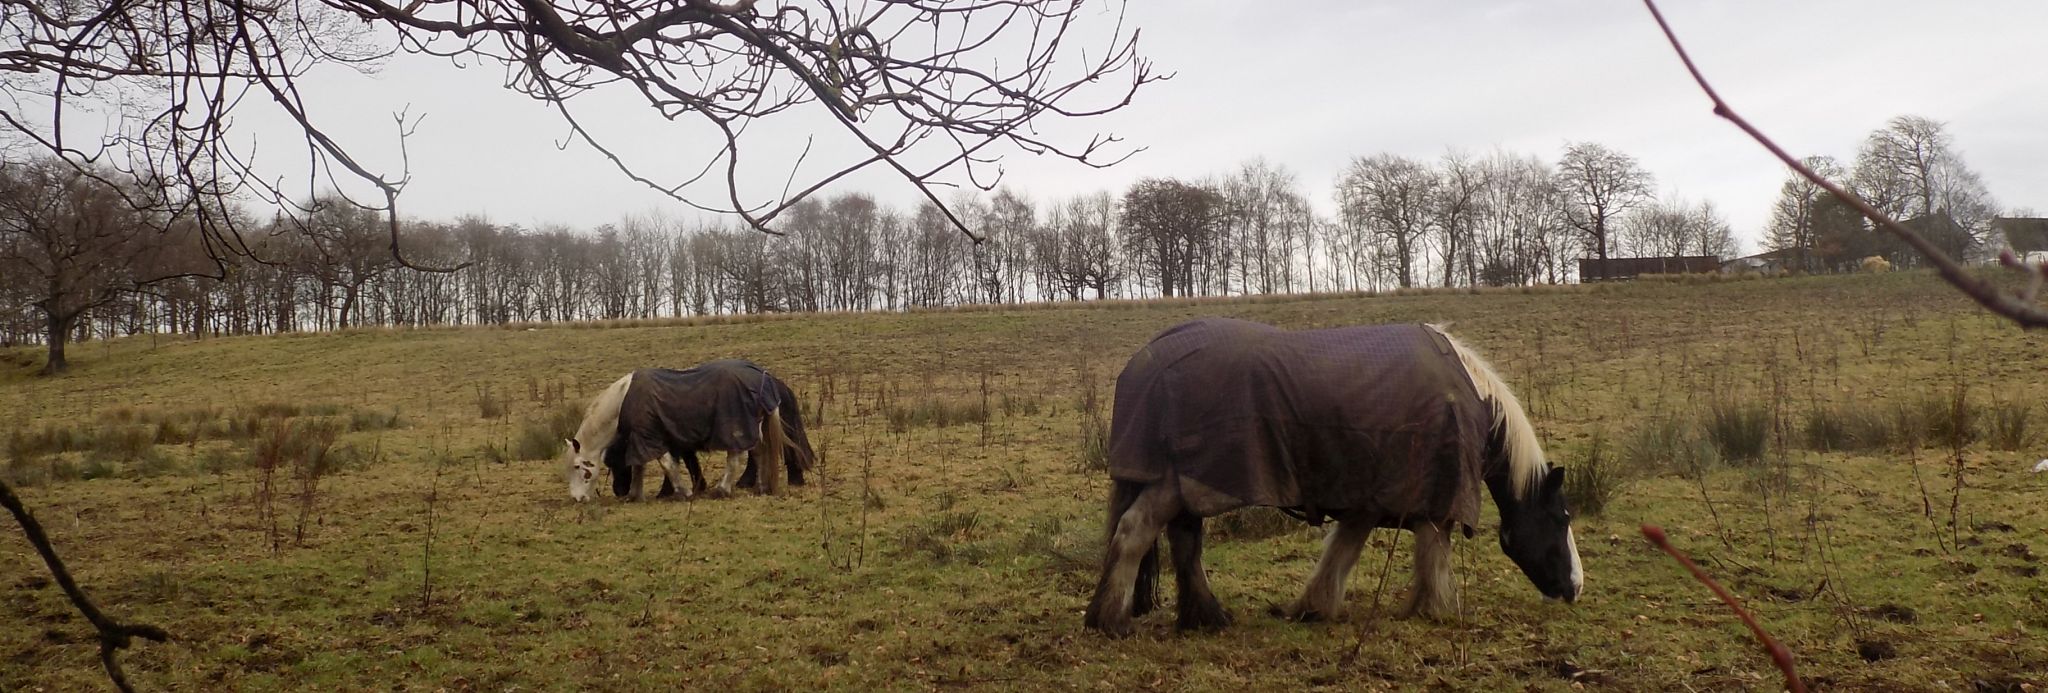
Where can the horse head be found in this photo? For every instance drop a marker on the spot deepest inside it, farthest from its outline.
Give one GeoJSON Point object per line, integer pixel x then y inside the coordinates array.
{"type": "Point", "coordinates": [581, 469]}
{"type": "Point", "coordinates": [1536, 533]}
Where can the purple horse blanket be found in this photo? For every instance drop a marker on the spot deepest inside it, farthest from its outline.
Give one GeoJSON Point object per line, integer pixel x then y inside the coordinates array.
{"type": "Point", "coordinates": [1381, 419]}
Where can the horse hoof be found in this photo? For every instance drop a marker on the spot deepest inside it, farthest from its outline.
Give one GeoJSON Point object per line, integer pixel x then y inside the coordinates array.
{"type": "Point", "coordinates": [1115, 631]}
{"type": "Point", "coordinates": [1296, 614]}
{"type": "Point", "coordinates": [1204, 621]}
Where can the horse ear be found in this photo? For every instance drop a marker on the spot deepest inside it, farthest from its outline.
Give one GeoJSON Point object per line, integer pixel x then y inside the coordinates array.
{"type": "Point", "coordinates": [1555, 481]}
{"type": "Point", "coordinates": [573, 445]}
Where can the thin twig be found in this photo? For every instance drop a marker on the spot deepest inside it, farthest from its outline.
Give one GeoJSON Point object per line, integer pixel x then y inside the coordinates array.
{"type": "Point", "coordinates": [114, 635]}
{"type": "Point", "coordinates": [2020, 308]}
{"type": "Point", "coordinates": [1779, 654]}
{"type": "Point", "coordinates": [1377, 590]}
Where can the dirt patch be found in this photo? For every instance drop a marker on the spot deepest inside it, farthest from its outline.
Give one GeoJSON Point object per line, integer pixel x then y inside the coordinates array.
{"type": "Point", "coordinates": [1893, 613]}
{"type": "Point", "coordinates": [1874, 650]}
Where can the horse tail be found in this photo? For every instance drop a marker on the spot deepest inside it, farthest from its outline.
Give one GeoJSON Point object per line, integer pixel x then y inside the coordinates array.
{"type": "Point", "coordinates": [768, 468]}
{"type": "Point", "coordinates": [1122, 495]}
{"type": "Point", "coordinates": [799, 442]}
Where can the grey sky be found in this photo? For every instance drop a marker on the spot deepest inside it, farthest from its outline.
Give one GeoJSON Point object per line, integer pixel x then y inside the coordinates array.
{"type": "Point", "coordinates": [1309, 85]}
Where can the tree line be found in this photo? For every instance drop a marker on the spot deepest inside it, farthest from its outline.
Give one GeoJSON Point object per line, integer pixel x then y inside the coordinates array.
{"type": "Point", "coordinates": [75, 262]}
{"type": "Point", "coordinates": [1909, 169]}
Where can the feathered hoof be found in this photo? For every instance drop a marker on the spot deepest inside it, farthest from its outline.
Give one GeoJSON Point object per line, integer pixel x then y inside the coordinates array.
{"type": "Point", "coordinates": [1209, 618]}
{"type": "Point", "coordinates": [1143, 605]}
{"type": "Point", "coordinates": [1117, 628]}
{"type": "Point", "coordinates": [1298, 613]}
{"type": "Point", "coordinates": [1429, 612]}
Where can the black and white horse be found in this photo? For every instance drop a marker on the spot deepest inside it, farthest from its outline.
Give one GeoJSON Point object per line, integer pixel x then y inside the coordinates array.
{"type": "Point", "coordinates": [665, 416]}
{"type": "Point", "coordinates": [1453, 389]}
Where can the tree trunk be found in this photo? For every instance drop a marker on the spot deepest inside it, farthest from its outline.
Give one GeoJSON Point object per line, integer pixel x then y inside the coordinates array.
{"type": "Point", "coordinates": [1600, 237]}
{"type": "Point", "coordinates": [60, 333]}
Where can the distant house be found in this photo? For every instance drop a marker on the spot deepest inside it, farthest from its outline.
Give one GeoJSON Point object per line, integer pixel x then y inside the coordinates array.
{"type": "Point", "coordinates": [1622, 268]}
{"type": "Point", "coordinates": [1782, 260]}
{"type": "Point", "coordinates": [1938, 228]}
{"type": "Point", "coordinates": [2026, 236]}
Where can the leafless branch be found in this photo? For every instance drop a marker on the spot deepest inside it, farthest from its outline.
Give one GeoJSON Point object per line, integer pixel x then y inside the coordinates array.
{"type": "Point", "coordinates": [2021, 308]}
{"type": "Point", "coordinates": [114, 635]}
{"type": "Point", "coordinates": [927, 89]}
{"type": "Point", "coordinates": [1779, 654]}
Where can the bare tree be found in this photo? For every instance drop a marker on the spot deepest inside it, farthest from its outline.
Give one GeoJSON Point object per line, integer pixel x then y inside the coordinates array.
{"type": "Point", "coordinates": [1711, 233]}
{"type": "Point", "coordinates": [1520, 214]}
{"type": "Point", "coordinates": [1170, 227]}
{"type": "Point", "coordinates": [1792, 217]}
{"type": "Point", "coordinates": [1007, 226]}
{"type": "Point", "coordinates": [1677, 227]}
{"type": "Point", "coordinates": [1600, 185]}
{"type": "Point", "coordinates": [853, 221]}
{"type": "Point", "coordinates": [937, 259]}
{"type": "Point", "coordinates": [1910, 170]}
{"type": "Point", "coordinates": [72, 236]}
{"type": "Point", "coordinates": [1462, 182]}
{"type": "Point", "coordinates": [931, 91]}
{"type": "Point", "coordinates": [1263, 225]}
{"type": "Point", "coordinates": [344, 249]}
{"type": "Point", "coordinates": [1658, 229]}
{"type": "Point", "coordinates": [1076, 248]}
{"type": "Point", "coordinates": [1391, 196]}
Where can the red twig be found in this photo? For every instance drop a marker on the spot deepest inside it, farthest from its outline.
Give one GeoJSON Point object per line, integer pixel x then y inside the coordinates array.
{"type": "Point", "coordinates": [2020, 309]}
{"type": "Point", "coordinates": [1778, 652]}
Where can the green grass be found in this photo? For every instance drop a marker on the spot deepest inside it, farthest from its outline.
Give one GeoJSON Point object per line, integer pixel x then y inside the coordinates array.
{"type": "Point", "coordinates": [931, 556]}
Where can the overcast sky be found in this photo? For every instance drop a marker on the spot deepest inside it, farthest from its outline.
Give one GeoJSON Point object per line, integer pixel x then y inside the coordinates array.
{"type": "Point", "coordinates": [1309, 85]}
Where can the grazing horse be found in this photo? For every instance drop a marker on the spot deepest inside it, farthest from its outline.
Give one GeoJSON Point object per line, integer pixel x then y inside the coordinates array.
{"type": "Point", "coordinates": [797, 455]}
{"type": "Point", "coordinates": [1395, 426]}
{"type": "Point", "coordinates": [667, 415]}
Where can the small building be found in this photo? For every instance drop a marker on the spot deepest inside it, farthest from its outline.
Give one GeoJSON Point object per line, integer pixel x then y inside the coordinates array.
{"type": "Point", "coordinates": [1770, 262]}
{"type": "Point", "coordinates": [1593, 269]}
{"type": "Point", "coordinates": [2026, 236]}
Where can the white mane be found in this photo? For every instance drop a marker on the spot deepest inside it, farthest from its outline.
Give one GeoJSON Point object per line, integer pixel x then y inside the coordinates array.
{"type": "Point", "coordinates": [601, 418]}
{"type": "Point", "coordinates": [1526, 465]}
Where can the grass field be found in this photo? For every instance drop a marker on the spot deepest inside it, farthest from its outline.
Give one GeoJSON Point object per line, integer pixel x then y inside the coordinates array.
{"type": "Point", "coordinates": [1803, 438]}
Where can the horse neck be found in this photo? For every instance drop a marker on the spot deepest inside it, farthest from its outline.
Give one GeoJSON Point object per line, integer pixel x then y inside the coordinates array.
{"type": "Point", "coordinates": [597, 432]}
{"type": "Point", "coordinates": [601, 420]}
{"type": "Point", "coordinates": [1497, 471]}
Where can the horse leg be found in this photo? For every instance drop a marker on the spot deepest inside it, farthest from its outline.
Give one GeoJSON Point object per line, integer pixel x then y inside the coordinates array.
{"type": "Point", "coordinates": [1434, 596]}
{"type": "Point", "coordinates": [637, 473]}
{"type": "Point", "coordinates": [1198, 607]}
{"type": "Point", "coordinates": [689, 458]}
{"type": "Point", "coordinates": [1323, 599]}
{"type": "Point", "coordinates": [733, 461]}
{"type": "Point", "coordinates": [1135, 533]}
{"type": "Point", "coordinates": [671, 480]}
{"type": "Point", "coordinates": [749, 477]}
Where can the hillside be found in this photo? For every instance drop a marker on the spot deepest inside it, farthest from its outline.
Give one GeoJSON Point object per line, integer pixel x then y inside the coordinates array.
{"type": "Point", "coordinates": [952, 538]}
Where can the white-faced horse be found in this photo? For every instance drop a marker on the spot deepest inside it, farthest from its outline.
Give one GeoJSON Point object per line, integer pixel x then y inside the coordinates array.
{"type": "Point", "coordinates": [1394, 426]}
{"type": "Point", "coordinates": [653, 414]}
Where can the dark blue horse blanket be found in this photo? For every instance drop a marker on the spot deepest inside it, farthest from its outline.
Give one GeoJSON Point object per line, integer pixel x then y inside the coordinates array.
{"type": "Point", "coordinates": [715, 405]}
